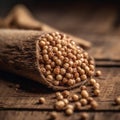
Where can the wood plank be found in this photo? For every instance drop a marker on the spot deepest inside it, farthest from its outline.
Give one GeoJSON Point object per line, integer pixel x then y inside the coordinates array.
{"type": "Point", "coordinates": [28, 94]}
{"type": "Point", "coordinates": [105, 46]}
{"type": "Point", "coordinates": [40, 115]}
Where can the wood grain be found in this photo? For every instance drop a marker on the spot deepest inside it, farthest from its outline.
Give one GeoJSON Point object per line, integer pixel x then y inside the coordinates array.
{"type": "Point", "coordinates": [28, 95]}
{"type": "Point", "coordinates": [39, 115]}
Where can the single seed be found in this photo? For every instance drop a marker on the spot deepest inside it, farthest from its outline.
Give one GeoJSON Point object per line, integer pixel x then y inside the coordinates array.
{"type": "Point", "coordinates": [83, 101]}
{"type": "Point", "coordinates": [56, 83]}
{"type": "Point", "coordinates": [84, 94]}
{"type": "Point", "coordinates": [68, 75]}
{"type": "Point", "coordinates": [78, 106]}
{"type": "Point", "coordinates": [96, 86]}
{"type": "Point", "coordinates": [59, 77]}
{"type": "Point", "coordinates": [83, 77]}
{"type": "Point", "coordinates": [57, 94]}
{"type": "Point", "coordinates": [44, 51]}
{"type": "Point", "coordinates": [45, 57]}
{"type": "Point", "coordinates": [65, 80]}
{"type": "Point", "coordinates": [75, 97]}
{"type": "Point", "coordinates": [71, 63]}
{"type": "Point", "coordinates": [84, 116]}
{"type": "Point", "coordinates": [59, 105]}
{"type": "Point", "coordinates": [92, 81]}
{"type": "Point", "coordinates": [66, 65]}
{"type": "Point", "coordinates": [90, 99]}
{"type": "Point", "coordinates": [48, 67]}
{"type": "Point", "coordinates": [50, 77]}
{"type": "Point", "coordinates": [98, 73]}
{"type": "Point", "coordinates": [78, 79]}
{"type": "Point", "coordinates": [83, 87]}
{"type": "Point", "coordinates": [61, 57]}
{"type": "Point", "coordinates": [52, 64]}
{"type": "Point", "coordinates": [94, 104]}
{"type": "Point", "coordinates": [117, 100]}
{"type": "Point", "coordinates": [69, 111]}
{"type": "Point", "coordinates": [58, 62]}
{"type": "Point", "coordinates": [65, 93]}
{"type": "Point", "coordinates": [90, 73]}
{"type": "Point", "coordinates": [85, 54]}
{"type": "Point", "coordinates": [87, 69]}
{"type": "Point", "coordinates": [70, 69]}
{"type": "Point", "coordinates": [83, 65]}
{"type": "Point", "coordinates": [55, 49]}
{"type": "Point", "coordinates": [53, 115]}
{"type": "Point", "coordinates": [96, 92]}
{"type": "Point", "coordinates": [71, 82]}
{"type": "Point", "coordinates": [70, 107]}
{"type": "Point", "coordinates": [91, 67]}
{"type": "Point", "coordinates": [59, 97]}
{"type": "Point", "coordinates": [48, 72]}
{"type": "Point", "coordinates": [76, 75]}
{"type": "Point", "coordinates": [65, 101]}
{"type": "Point", "coordinates": [42, 100]}
{"type": "Point", "coordinates": [42, 43]}
{"type": "Point", "coordinates": [57, 70]}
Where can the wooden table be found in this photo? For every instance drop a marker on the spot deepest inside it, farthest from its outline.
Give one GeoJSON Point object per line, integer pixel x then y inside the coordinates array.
{"type": "Point", "coordinates": [99, 24]}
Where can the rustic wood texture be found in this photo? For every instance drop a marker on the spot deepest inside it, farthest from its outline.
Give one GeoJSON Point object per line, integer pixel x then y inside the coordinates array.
{"type": "Point", "coordinates": [99, 24]}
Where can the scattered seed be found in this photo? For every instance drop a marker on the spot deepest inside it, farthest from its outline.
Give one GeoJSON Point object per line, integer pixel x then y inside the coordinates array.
{"type": "Point", "coordinates": [98, 73]}
{"type": "Point", "coordinates": [69, 111]}
{"type": "Point", "coordinates": [96, 92]}
{"type": "Point", "coordinates": [75, 97]}
{"type": "Point", "coordinates": [84, 116]}
{"type": "Point", "coordinates": [84, 94]}
{"type": "Point", "coordinates": [53, 115]}
{"type": "Point", "coordinates": [65, 93]}
{"type": "Point", "coordinates": [59, 105]}
{"type": "Point", "coordinates": [78, 106]}
{"type": "Point", "coordinates": [42, 100]}
{"type": "Point", "coordinates": [94, 104]}
{"type": "Point", "coordinates": [83, 101]}
{"type": "Point", "coordinates": [117, 100]}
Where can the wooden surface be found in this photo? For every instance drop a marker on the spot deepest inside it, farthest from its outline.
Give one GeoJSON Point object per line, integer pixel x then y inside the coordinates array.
{"type": "Point", "coordinates": [96, 23]}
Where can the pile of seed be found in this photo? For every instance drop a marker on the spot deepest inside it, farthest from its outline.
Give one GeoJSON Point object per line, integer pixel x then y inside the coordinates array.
{"type": "Point", "coordinates": [62, 62]}
{"type": "Point", "coordinates": [82, 99]}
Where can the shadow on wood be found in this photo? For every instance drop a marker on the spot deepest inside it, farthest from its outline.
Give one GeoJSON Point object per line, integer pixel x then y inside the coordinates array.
{"type": "Point", "coordinates": [24, 84]}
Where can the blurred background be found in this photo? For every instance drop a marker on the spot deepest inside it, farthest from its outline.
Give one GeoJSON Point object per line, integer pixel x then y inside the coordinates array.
{"type": "Point", "coordinates": [73, 16]}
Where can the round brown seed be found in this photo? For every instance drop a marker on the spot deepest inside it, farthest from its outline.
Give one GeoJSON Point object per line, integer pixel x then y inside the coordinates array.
{"type": "Point", "coordinates": [69, 106]}
{"type": "Point", "coordinates": [83, 87]}
{"type": "Point", "coordinates": [75, 97]}
{"type": "Point", "coordinates": [96, 92]}
{"type": "Point", "coordinates": [42, 100]}
{"type": "Point", "coordinates": [59, 77]}
{"type": "Point", "coordinates": [69, 111]}
{"type": "Point", "coordinates": [98, 73]}
{"type": "Point", "coordinates": [59, 105]}
{"type": "Point", "coordinates": [84, 94]}
{"type": "Point", "coordinates": [65, 101]}
{"type": "Point", "coordinates": [53, 115]}
{"type": "Point", "coordinates": [84, 116]}
{"type": "Point", "coordinates": [117, 100]}
{"type": "Point", "coordinates": [92, 81]}
{"type": "Point", "coordinates": [83, 101]}
{"type": "Point", "coordinates": [78, 106]}
{"type": "Point", "coordinates": [65, 93]}
{"type": "Point", "coordinates": [94, 104]}
{"type": "Point", "coordinates": [59, 97]}
{"type": "Point", "coordinates": [83, 77]}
